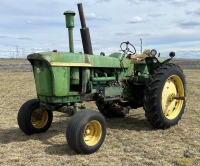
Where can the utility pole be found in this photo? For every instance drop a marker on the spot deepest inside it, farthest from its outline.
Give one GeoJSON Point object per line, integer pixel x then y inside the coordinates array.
{"type": "Point", "coordinates": [141, 46]}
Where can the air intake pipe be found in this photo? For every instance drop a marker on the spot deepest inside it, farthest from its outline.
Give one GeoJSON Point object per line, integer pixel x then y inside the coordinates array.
{"type": "Point", "coordinates": [69, 17]}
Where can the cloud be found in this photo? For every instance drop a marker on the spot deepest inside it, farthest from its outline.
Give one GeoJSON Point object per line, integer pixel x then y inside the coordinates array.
{"type": "Point", "coordinates": [122, 33]}
{"type": "Point", "coordinates": [172, 2]}
{"type": "Point", "coordinates": [182, 38]}
{"type": "Point", "coordinates": [193, 12]}
{"type": "Point", "coordinates": [178, 2]}
{"type": "Point", "coordinates": [189, 24]}
{"type": "Point", "coordinates": [93, 16]}
{"type": "Point", "coordinates": [185, 53]}
{"type": "Point", "coordinates": [142, 34]}
{"type": "Point", "coordinates": [29, 21]}
{"type": "Point", "coordinates": [99, 1]}
{"type": "Point", "coordinates": [137, 2]}
{"type": "Point", "coordinates": [24, 38]}
{"type": "Point", "coordinates": [136, 20]}
{"type": "Point", "coordinates": [183, 2]}
{"type": "Point", "coordinates": [4, 37]}
{"type": "Point", "coordinates": [156, 14]}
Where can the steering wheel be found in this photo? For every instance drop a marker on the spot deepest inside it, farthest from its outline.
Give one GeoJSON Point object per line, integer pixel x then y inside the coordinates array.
{"type": "Point", "coordinates": [124, 46]}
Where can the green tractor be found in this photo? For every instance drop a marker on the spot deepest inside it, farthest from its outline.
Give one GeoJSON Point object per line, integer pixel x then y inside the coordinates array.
{"type": "Point", "coordinates": [117, 83]}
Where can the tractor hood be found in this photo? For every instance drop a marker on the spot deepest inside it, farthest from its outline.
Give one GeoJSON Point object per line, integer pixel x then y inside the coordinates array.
{"type": "Point", "coordinates": [80, 59]}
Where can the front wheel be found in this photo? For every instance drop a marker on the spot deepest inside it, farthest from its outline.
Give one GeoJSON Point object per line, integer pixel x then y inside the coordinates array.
{"type": "Point", "coordinates": [86, 131]}
{"type": "Point", "coordinates": [32, 120]}
{"type": "Point", "coordinates": [164, 96]}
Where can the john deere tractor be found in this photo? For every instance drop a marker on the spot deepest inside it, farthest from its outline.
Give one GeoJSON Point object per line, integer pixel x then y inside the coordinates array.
{"type": "Point", "coordinates": [117, 83]}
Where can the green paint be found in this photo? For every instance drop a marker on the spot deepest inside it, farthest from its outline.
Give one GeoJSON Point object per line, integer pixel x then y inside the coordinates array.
{"type": "Point", "coordinates": [94, 60]}
{"type": "Point", "coordinates": [112, 92]}
{"type": "Point", "coordinates": [71, 41]}
{"type": "Point", "coordinates": [61, 81]}
{"type": "Point", "coordinates": [74, 76]}
{"type": "Point", "coordinates": [103, 79]}
{"type": "Point", "coordinates": [43, 78]}
{"type": "Point", "coordinates": [69, 17]}
{"type": "Point", "coordinates": [59, 100]}
{"type": "Point", "coordinates": [51, 81]}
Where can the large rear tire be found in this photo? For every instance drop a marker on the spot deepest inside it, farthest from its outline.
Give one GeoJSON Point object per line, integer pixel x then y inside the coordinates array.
{"type": "Point", "coordinates": [86, 131]}
{"type": "Point", "coordinates": [161, 104]}
{"type": "Point", "coordinates": [30, 119]}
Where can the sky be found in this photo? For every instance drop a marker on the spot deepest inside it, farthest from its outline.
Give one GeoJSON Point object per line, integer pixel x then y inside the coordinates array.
{"type": "Point", "coordinates": [28, 26]}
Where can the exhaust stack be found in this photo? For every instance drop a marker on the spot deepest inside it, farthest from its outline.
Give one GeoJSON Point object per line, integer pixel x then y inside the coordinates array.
{"type": "Point", "coordinates": [85, 33]}
{"type": "Point", "coordinates": [69, 17]}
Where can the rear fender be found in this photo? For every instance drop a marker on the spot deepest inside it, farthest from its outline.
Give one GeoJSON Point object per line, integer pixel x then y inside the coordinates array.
{"type": "Point", "coordinates": [154, 62]}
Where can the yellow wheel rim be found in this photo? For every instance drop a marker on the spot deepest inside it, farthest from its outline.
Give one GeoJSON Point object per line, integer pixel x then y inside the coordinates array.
{"type": "Point", "coordinates": [37, 120]}
{"type": "Point", "coordinates": [92, 133]}
{"type": "Point", "coordinates": [172, 88]}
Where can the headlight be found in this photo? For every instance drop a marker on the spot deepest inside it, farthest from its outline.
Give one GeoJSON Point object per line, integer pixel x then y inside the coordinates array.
{"type": "Point", "coordinates": [172, 54]}
{"type": "Point", "coordinates": [153, 52]}
{"type": "Point", "coordinates": [155, 60]}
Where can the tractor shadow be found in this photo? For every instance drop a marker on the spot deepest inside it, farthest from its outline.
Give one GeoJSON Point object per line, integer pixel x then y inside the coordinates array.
{"type": "Point", "coordinates": [132, 123]}
{"type": "Point", "coordinates": [58, 131]}
{"type": "Point", "coordinates": [54, 138]}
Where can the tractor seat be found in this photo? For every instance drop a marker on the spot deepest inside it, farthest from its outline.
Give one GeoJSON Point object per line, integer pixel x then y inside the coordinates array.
{"type": "Point", "coordinates": [139, 58]}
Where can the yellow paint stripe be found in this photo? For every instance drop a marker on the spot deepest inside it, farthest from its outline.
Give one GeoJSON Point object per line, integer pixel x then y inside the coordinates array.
{"type": "Point", "coordinates": [70, 64]}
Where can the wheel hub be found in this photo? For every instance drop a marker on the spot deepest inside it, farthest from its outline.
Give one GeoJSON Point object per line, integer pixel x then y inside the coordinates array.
{"type": "Point", "coordinates": [171, 105]}
{"type": "Point", "coordinates": [92, 133]}
{"type": "Point", "coordinates": [39, 120]}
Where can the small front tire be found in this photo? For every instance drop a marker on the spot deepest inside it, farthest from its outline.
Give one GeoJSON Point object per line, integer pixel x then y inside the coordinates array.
{"type": "Point", "coordinates": [86, 131]}
{"type": "Point", "coordinates": [30, 119]}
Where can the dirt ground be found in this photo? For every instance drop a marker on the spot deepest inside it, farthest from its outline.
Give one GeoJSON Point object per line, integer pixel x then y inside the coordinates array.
{"type": "Point", "coordinates": [129, 141]}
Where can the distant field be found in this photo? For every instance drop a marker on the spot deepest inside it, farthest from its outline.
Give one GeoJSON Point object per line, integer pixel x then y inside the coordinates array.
{"type": "Point", "coordinates": [187, 63]}
{"type": "Point", "coordinates": [129, 141]}
{"type": "Point", "coordinates": [24, 65]}
{"type": "Point", "coordinates": [15, 65]}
